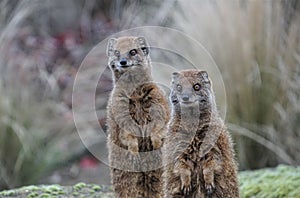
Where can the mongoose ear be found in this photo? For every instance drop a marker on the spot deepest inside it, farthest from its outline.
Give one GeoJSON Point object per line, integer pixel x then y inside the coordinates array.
{"type": "Point", "coordinates": [204, 76]}
{"type": "Point", "coordinates": [111, 47]}
{"type": "Point", "coordinates": [175, 76]}
{"type": "Point", "coordinates": [143, 45]}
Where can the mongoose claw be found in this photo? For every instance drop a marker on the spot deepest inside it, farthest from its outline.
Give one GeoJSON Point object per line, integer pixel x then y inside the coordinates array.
{"type": "Point", "coordinates": [209, 189]}
{"type": "Point", "coordinates": [186, 186]}
{"type": "Point", "coordinates": [186, 189]}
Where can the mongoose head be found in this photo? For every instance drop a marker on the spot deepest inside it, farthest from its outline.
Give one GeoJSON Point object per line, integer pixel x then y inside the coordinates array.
{"type": "Point", "coordinates": [125, 53]}
{"type": "Point", "coordinates": [190, 88]}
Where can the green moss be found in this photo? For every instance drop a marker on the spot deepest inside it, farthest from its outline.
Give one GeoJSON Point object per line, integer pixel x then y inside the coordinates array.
{"type": "Point", "coordinates": [96, 188]}
{"type": "Point", "coordinates": [30, 188]}
{"type": "Point", "coordinates": [8, 193]}
{"type": "Point", "coordinates": [53, 191]}
{"type": "Point", "coordinates": [55, 188]}
{"type": "Point", "coordinates": [79, 186]}
{"type": "Point", "coordinates": [284, 181]}
{"type": "Point", "coordinates": [45, 195]}
{"type": "Point", "coordinates": [75, 193]}
{"type": "Point", "coordinates": [33, 195]}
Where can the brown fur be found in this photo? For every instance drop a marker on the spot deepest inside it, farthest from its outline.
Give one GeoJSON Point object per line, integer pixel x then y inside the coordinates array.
{"type": "Point", "coordinates": [138, 113]}
{"type": "Point", "coordinates": [198, 153]}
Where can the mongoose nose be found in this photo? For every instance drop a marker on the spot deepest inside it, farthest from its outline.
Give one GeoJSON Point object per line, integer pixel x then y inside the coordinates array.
{"type": "Point", "coordinates": [123, 61]}
{"type": "Point", "coordinates": [185, 98]}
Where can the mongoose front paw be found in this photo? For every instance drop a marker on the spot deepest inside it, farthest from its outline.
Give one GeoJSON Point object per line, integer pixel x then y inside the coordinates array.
{"type": "Point", "coordinates": [209, 189]}
{"type": "Point", "coordinates": [130, 141]}
{"type": "Point", "coordinates": [133, 147]}
{"type": "Point", "coordinates": [185, 184]}
{"type": "Point", "coordinates": [156, 142]}
{"type": "Point", "coordinates": [186, 189]}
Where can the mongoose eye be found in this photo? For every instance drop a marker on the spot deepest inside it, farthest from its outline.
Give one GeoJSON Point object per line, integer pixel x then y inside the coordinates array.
{"type": "Point", "coordinates": [133, 52]}
{"type": "Point", "coordinates": [117, 53]}
{"type": "Point", "coordinates": [179, 87]}
{"type": "Point", "coordinates": [197, 87]}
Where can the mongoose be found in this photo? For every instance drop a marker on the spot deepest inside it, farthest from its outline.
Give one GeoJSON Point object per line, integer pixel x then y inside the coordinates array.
{"type": "Point", "coordinates": [137, 117]}
{"type": "Point", "coordinates": [198, 153]}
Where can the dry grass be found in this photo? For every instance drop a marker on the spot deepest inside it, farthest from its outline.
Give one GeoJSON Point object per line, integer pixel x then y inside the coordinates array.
{"type": "Point", "coordinates": [35, 134]}
{"type": "Point", "coordinates": [259, 57]}
{"type": "Point", "coordinates": [256, 46]}
{"type": "Point", "coordinates": [33, 139]}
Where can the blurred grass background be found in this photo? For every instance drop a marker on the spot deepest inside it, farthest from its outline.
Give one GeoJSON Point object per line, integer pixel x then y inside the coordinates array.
{"type": "Point", "coordinates": [256, 45]}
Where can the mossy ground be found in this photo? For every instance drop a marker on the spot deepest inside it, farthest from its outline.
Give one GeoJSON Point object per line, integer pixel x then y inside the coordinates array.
{"type": "Point", "coordinates": [81, 190]}
{"type": "Point", "coordinates": [281, 182]}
